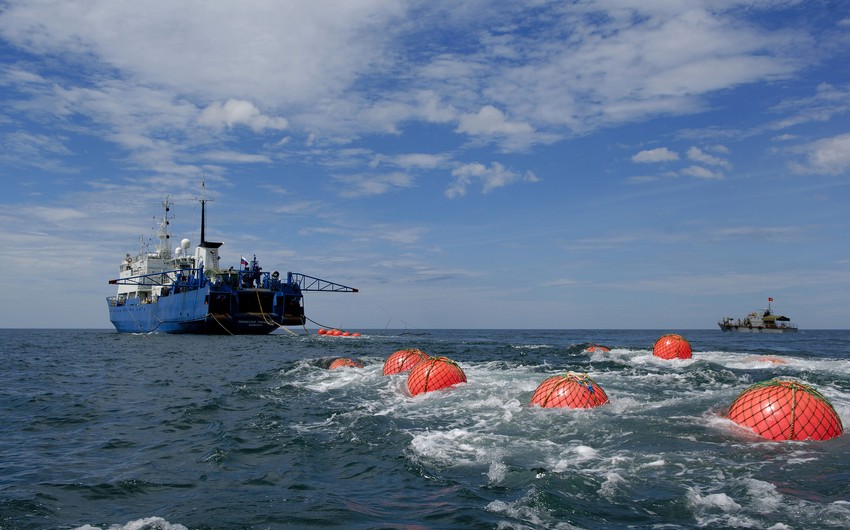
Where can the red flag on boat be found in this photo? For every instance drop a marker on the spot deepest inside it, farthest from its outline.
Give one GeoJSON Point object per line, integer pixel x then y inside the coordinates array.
{"type": "Point", "coordinates": [770, 299]}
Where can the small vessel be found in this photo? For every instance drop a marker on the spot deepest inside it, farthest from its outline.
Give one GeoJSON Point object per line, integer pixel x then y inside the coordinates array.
{"type": "Point", "coordinates": [759, 322]}
{"type": "Point", "coordinates": [181, 291]}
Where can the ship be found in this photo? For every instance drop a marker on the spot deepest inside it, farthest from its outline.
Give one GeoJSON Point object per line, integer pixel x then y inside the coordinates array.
{"type": "Point", "coordinates": [188, 291]}
{"type": "Point", "coordinates": [764, 321]}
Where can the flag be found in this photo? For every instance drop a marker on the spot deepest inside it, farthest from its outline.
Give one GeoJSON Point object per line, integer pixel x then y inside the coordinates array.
{"type": "Point", "coordinates": [244, 261]}
{"type": "Point", "coordinates": [770, 299]}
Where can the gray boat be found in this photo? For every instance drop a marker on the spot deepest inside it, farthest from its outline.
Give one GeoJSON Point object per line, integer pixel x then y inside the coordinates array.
{"type": "Point", "coordinates": [759, 322]}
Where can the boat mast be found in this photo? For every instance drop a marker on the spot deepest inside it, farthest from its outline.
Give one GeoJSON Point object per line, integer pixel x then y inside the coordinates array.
{"type": "Point", "coordinates": [203, 211]}
{"type": "Point", "coordinates": [207, 251]}
{"type": "Point", "coordinates": [164, 248]}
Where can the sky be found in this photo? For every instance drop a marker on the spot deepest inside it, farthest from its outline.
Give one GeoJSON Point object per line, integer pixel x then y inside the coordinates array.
{"type": "Point", "coordinates": [629, 164]}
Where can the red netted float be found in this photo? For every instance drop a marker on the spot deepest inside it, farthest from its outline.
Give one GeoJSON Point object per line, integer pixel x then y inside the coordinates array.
{"type": "Point", "coordinates": [786, 410]}
{"type": "Point", "coordinates": [434, 373]}
{"type": "Point", "coordinates": [576, 391]}
{"type": "Point", "coordinates": [345, 363]}
{"type": "Point", "coordinates": [597, 348]}
{"type": "Point", "coordinates": [672, 346]}
{"type": "Point", "coordinates": [403, 360]}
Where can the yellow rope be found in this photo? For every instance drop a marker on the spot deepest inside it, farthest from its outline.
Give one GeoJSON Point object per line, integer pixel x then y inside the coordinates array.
{"type": "Point", "coordinates": [220, 324]}
{"type": "Point", "coordinates": [272, 322]}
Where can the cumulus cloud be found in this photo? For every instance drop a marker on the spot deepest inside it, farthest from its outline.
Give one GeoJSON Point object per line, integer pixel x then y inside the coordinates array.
{"type": "Point", "coordinates": [702, 173]}
{"type": "Point", "coordinates": [659, 154]}
{"type": "Point", "coordinates": [339, 71]}
{"type": "Point", "coordinates": [235, 156]}
{"type": "Point", "coordinates": [234, 112]}
{"type": "Point", "coordinates": [698, 155]}
{"type": "Point", "coordinates": [495, 176]}
{"type": "Point", "coordinates": [491, 121]}
{"type": "Point", "coordinates": [420, 160]}
{"type": "Point", "coordinates": [830, 156]}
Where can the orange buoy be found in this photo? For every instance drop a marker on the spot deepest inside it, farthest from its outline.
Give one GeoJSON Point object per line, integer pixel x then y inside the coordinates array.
{"type": "Point", "coordinates": [322, 331]}
{"type": "Point", "coordinates": [434, 373]}
{"type": "Point", "coordinates": [355, 334]}
{"type": "Point", "coordinates": [597, 348]}
{"type": "Point", "coordinates": [786, 410]}
{"type": "Point", "coordinates": [403, 360]}
{"type": "Point", "coordinates": [672, 346]}
{"type": "Point", "coordinates": [344, 362]}
{"type": "Point", "coordinates": [576, 391]}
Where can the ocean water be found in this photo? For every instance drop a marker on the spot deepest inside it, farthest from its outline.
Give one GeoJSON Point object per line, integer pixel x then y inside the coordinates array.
{"type": "Point", "coordinates": [108, 431]}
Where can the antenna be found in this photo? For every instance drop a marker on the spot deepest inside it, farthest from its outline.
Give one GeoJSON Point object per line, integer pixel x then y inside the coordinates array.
{"type": "Point", "coordinates": [204, 200]}
{"type": "Point", "coordinates": [203, 211]}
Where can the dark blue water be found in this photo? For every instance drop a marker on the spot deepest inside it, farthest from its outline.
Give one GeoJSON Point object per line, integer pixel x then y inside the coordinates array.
{"type": "Point", "coordinates": [101, 430]}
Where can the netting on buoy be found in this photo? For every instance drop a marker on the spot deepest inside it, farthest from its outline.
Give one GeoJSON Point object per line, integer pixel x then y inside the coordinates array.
{"type": "Point", "coordinates": [593, 348]}
{"type": "Point", "coordinates": [403, 360]}
{"type": "Point", "coordinates": [434, 373]}
{"type": "Point", "coordinates": [576, 391]}
{"type": "Point", "coordinates": [343, 362]}
{"type": "Point", "coordinates": [672, 346]}
{"type": "Point", "coordinates": [786, 410]}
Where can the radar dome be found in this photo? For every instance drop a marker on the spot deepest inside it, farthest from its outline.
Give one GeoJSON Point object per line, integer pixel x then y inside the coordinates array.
{"type": "Point", "coordinates": [185, 243]}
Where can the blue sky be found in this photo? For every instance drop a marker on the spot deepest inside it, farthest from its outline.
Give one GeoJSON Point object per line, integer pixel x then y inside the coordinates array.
{"type": "Point", "coordinates": [476, 164]}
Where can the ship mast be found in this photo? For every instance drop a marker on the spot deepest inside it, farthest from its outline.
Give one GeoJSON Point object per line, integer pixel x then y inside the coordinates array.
{"type": "Point", "coordinates": [164, 248]}
{"type": "Point", "coordinates": [207, 251]}
{"type": "Point", "coordinates": [203, 211]}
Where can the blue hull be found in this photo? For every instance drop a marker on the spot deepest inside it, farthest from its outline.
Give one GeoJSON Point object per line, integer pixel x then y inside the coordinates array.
{"type": "Point", "coordinates": [246, 312]}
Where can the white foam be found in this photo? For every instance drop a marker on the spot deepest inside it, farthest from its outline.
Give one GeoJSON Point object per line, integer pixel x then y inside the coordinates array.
{"type": "Point", "coordinates": [719, 501]}
{"type": "Point", "coordinates": [528, 510]}
{"type": "Point", "coordinates": [610, 487]}
{"type": "Point", "coordinates": [148, 523]}
{"type": "Point", "coordinates": [497, 472]}
{"type": "Point", "coordinates": [765, 498]}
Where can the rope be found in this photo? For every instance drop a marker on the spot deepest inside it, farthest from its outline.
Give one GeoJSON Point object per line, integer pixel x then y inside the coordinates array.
{"type": "Point", "coordinates": [220, 324]}
{"type": "Point", "coordinates": [321, 325]}
{"type": "Point", "coordinates": [271, 322]}
{"type": "Point", "coordinates": [793, 410]}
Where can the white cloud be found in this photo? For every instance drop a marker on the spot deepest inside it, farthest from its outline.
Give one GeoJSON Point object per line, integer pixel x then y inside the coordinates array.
{"type": "Point", "coordinates": [622, 62]}
{"type": "Point", "coordinates": [339, 69]}
{"type": "Point", "coordinates": [491, 121]}
{"type": "Point", "coordinates": [368, 185]}
{"type": "Point", "coordinates": [659, 154]}
{"type": "Point", "coordinates": [829, 156]}
{"type": "Point", "coordinates": [420, 160]}
{"type": "Point", "coordinates": [235, 156]}
{"type": "Point", "coordinates": [697, 155]}
{"type": "Point", "coordinates": [829, 101]}
{"type": "Point", "coordinates": [702, 173]}
{"type": "Point", "coordinates": [235, 112]}
{"type": "Point", "coordinates": [58, 216]}
{"type": "Point", "coordinates": [273, 52]}
{"type": "Point", "coordinates": [495, 176]}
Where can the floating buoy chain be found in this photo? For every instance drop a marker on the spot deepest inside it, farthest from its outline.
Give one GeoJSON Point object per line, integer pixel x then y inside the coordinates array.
{"type": "Point", "coordinates": [314, 322]}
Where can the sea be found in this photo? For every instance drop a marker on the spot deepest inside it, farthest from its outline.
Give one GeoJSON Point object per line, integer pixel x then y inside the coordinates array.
{"type": "Point", "coordinates": [101, 430]}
